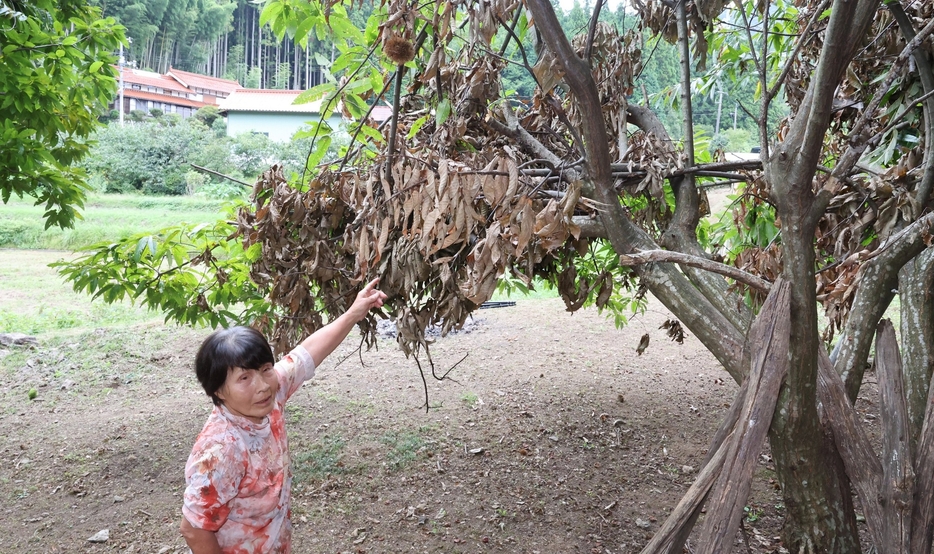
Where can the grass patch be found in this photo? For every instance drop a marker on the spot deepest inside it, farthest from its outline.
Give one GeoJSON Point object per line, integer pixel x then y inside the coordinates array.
{"type": "Point", "coordinates": [295, 414]}
{"type": "Point", "coordinates": [404, 447]}
{"type": "Point", "coordinates": [469, 398]}
{"type": "Point", "coordinates": [37, 301]}
{"type": "Point", "coordinates": [105, 217]}
{"type": "Point", "coordinates": [319, 461]}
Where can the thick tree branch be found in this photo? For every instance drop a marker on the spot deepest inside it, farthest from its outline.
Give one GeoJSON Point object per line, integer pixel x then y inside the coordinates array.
{"type": "Point", "coordinates": [650, 256]}
{"type": "Point", "coordinates": [801, 149]}
{"type": "Point", "coordinates": [878, 277]}
{"type": "Point", "coordinates": [667, 283]}
{"type": "Point", "coordinates": [681, 235]}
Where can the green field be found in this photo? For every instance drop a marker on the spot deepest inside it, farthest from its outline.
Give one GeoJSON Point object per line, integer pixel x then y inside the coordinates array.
{"type": "Point", "coordinates": [35, 300]}
{"type": "Point", "coordinates": [104, 217]}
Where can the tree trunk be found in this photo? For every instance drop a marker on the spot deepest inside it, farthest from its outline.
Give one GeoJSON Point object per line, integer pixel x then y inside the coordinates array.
{"type": "Point", "coordinates": [819, 509]}
{"type": "Point", "coordinates": [916, 293]}
{"type": "Point", "coordinates": [820, 516]}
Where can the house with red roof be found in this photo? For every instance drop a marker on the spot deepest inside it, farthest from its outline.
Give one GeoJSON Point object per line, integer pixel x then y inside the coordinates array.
{"type": "Point", "coordinates": [273, 113]}
{"type": "Point", "coordinates": [177, 91]}
{"type": "Point", "coordinates": [211, 89]}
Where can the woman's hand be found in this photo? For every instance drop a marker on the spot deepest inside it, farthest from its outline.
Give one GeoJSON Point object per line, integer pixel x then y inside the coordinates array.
{"type": "Point", "coordinates": [367, 299]}
{"type": "Point", "coordinates": [323, 341]}
{"type": "Point", "coordinates": [199, 540]}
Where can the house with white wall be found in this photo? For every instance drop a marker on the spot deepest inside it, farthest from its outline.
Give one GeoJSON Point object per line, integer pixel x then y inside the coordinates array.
{"type": "Point", "coordinates": [270, 112]}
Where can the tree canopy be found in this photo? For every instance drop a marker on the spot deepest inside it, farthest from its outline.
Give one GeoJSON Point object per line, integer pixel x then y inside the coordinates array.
{"type": "Point", "coordinates": [56, 79]}
{"type": "Point", "coordinates": [582, 186]}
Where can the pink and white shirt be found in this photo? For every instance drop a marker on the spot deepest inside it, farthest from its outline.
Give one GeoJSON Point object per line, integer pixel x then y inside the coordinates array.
{"type": "Point", "coordinates": [238, 475]}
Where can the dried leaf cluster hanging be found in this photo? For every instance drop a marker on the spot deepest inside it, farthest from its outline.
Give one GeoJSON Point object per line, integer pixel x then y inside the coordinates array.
{"type": "Point", "coordinates": [459, 206]}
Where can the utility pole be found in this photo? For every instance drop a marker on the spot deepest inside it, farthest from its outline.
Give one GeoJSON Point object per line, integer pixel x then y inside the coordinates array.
{"type": "Point", "coordinates": [122, 61]}
{"type": "Point", "coordinates": [719, 111]}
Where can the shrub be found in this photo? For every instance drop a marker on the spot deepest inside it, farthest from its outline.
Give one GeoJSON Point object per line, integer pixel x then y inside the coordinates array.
{"type": "Point", "coordinates": [148, 157]}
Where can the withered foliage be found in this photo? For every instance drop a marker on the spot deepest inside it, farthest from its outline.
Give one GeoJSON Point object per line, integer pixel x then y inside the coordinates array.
{"type": "Point", "coordinates": [872, 201]}
{"type": "Point", "coordinates": [494, 187]}
{"type": "Point", "coordinates": [674, 330]}
{"type": "Point", "coordinates": [658, 17]}
{"type": "Point", "coordinates": [459, 207]}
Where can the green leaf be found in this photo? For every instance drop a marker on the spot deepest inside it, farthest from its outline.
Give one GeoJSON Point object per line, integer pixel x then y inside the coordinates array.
{"type": "Point", "coordinates": [304, 28]}
{"type": "Point", "coordinates": [355, 105]}
{"type": "Point", "coordinates": [372, 133]}
{"type": "Point", "coordinates": [417, 125]}
{"type": "Point", "coordinates": [315, 93]}
{"type": "Point", "coordinates": [140, 246]}
{"type": "Point", "coordinates": [443, 112]}
{"type": "Point", "coordinates": [270, 12]}
{"type": "Point", "coordinates": [320, 149]}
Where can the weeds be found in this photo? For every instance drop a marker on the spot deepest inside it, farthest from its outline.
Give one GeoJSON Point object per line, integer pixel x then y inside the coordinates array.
{"type": "Point", "coordinates": [319, 461]}
{"type": "Point", "coordinates": [294, 414]}
{"type": "Point", "coordinates": [470, 398]}
{"type": "Point", "coordinates": [403, 446]}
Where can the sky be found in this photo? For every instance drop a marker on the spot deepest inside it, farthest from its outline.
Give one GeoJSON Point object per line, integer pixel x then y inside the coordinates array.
{"type": "Point", "coordinates": [568, 4]}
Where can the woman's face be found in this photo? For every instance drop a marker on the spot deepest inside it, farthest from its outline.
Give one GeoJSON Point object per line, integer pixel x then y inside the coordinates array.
{"type": "Point", "coordinates": [250, 393]}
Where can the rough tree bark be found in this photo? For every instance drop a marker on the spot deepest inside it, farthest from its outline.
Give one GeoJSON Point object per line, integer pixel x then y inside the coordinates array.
{"type": "Point", "coordinates": [916, 278]}
{"type": "Point", "coordinates": [820, 516]}
{"type": "Point", "coordinates": [916, 293]}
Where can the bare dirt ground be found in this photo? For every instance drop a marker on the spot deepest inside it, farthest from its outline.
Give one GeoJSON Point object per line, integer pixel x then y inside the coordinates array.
{"type": "Point", "coordinates": [552, 436]}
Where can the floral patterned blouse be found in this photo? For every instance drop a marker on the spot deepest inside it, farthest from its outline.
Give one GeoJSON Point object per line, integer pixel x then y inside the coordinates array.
{"type": "Point", "coordinates": [238, 474]}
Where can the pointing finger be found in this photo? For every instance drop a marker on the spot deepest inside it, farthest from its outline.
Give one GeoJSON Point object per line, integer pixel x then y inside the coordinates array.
{"type": "Point", "coordinates": [370, 286]}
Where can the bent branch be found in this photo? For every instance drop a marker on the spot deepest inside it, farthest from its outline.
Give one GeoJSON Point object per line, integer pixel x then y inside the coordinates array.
{"type": "Point", "coordinates": [878, 278]}
{"type": "Point", "coordinates": [650, 256]}
{"type": "Point", "coordinates": [667, 283]}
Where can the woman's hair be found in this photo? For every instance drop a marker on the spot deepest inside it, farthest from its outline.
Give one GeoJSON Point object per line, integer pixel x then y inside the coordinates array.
{"type": "Point", "coordinates": [227, 349]}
